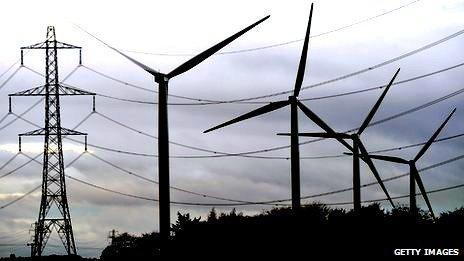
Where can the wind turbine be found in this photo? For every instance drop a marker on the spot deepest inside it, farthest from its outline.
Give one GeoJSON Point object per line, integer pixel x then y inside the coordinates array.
{"type": "Point", "coordinates": [294, 104]}
{"type": "Point", "coordinates": [163, 133]}
{"type": "Point", "coordinates": [357, 147]}
{"type": "Point", "coordinates": [414, 176]}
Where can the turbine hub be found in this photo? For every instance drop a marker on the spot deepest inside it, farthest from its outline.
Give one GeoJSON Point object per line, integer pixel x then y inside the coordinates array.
{"type": "Point", "coordinates": [159, 77]}
{"type": "Point", "coordinates": [292, 98]}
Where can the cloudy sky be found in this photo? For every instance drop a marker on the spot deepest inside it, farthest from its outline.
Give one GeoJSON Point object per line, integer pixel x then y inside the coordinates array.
{"type": "Point", "coordinates": [163, 34]}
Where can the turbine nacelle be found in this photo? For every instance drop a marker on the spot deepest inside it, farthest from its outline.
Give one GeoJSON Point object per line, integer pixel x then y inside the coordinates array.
{"type": "Point", "coordinates": [161, 78]}
{"type": "Point", "coordinates": [292, 99]}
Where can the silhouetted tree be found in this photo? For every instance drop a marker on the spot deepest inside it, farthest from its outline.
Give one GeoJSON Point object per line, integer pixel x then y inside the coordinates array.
{"type": "Point", "coordinates": [454, 218]}
{"type": "Point", "coordinates": [183, 224]}
{"type": "Point", "coordinates": [132, 247]}
{"type": "Point", "coordinates": [315, 228]}
{"type": "Point", "coordinates": [212, 216]}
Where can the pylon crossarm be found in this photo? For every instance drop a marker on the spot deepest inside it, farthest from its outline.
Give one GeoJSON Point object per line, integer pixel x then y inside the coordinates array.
{"type": "Point", "coordinates": [52, 131]}
{"type": "Point", "coordinates": [67, 90]}
{"type": "Point", "coordinates": [62, 45]}
{"type": "Point", "coordinates": [66, 132]}
{"type": "Point", "coordinates": [33, 133]}
{"type": "Point", "coordinates": [40, 45]}
{"type": "Point", "coordinates": [36, 91]}
{"type": "Point", "coordinates": [59, 45]}
{"type": "Point", "coordinates": [63, 91]}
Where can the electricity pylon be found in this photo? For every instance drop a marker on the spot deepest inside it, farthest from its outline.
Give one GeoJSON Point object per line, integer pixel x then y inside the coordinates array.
{"type": "Point", "coordinates": [54, 210]}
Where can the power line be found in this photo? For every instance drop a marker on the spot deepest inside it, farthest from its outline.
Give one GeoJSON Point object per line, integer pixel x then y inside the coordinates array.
{"type": "Point", "coordinates": [287, 42]}
{"type": "Point", "coordinates": [414, 109]}
{"type": "Point", "coordinates": [249, 154]}
{"type": "Point", "coordinates": [22, 114]}
{"type": "Point", "coordinates": [13, 65]}
{"type": "Point", "coordinates": [9, 68]}
{"type": "Point", "coordinates": [436, 165]}
{"type": "Point", "coordinates": [133, 85]}
{"type": "Point", "coordinates": [32, 159]}
{"type": "Point", "coordinates": [156, 182]}
{"type": "Point", "coordinates": [4, 117]}
{"type": "Point", "coordinates": [264, 157]}
{"type": "Point", "coordinates": [33, 105]}
{"type": "Point", "coordinates": [247, 100]}
{"type": "Point", "coordinates": [17, 168]}
{"type": "Point", "coordinates": [339, 78]}
{"type": "Point", "coordinates": [417, 144]}
{"type": "Point", "coordinates": [10, 77]}
{"type": "Point", "coordinates": [259, 202]}
{"type": "Point", "coordinates": [397, 197]}
{"type": "Point", "coordinates": [40, 185]}
{"type": "Point", "coordinates": [156, 138]}
{"type": "Point", "coordinates": [243, 204]}
{"type": "Point", "coordinates": [428, 104]}
{"type": "Point", "coordinates": [383, 86]}
{"type": "Point", "coordinates": [233, 200]}
{"type": "Point", "coordinates": [349, 75]}
{"type": "Point", "coordinates": [50, 245]}
{"type": "Point", "coordinates": [368, 184]}
{"type": "Point", "coordinates": [122, 169]}
{"type": "Point", "coordinates": [342, 94]}
{"type": "Point", "coordinates": [13, 235]}
{"type": "Point", "coordinates": [21, 197]}
{"type": "Point", "coordinates": [113, 79]}
{"type": "Point", "coordinates": [9, 161]}
{"type": "Point", "coordinates": [350, 188]}
{"type": "Point", "coordinates": [198, 100]}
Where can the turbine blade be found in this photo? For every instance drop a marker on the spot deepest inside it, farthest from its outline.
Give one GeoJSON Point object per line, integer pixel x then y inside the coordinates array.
{"type": "Point", "coordinates": [376, 105]}
{"type": "Point", "coordinates": [387, 158]}
{"type": "Point", "coordinates": [304, 54]}
{"type": "Point", "coordinates": [434, 136]}
{"type": "Point", "coordinates": [312, 116]}
{"type": "Point", "coordinates": [141, 65]}
{"type": "Point", "coordinates": [371, 165]}
{"type": "Point", "coordinates": [422, 189]}
{"type": "Point", "coordinates": [194, 61]}
{"type": "Point", "coordinates": [262, 110]}
{"type": "Point", "coordinates": [319, 135]}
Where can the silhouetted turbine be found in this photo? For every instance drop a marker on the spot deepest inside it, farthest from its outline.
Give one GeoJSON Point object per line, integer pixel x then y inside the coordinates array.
{"type": "Point", "coordinates": [163, 137]}
{"type": "Point", "coordinates": [356, 148]}
{"type": "Point", "coordinates": [414, 176]}
{"type": "Point", "coordinates": [294, 104]}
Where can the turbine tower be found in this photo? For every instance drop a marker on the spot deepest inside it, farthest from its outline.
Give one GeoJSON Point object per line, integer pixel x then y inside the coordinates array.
{"type": "Point", "coordinates": [54, 209]}
{"type": "Point", "coordinates": [162, 79]}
